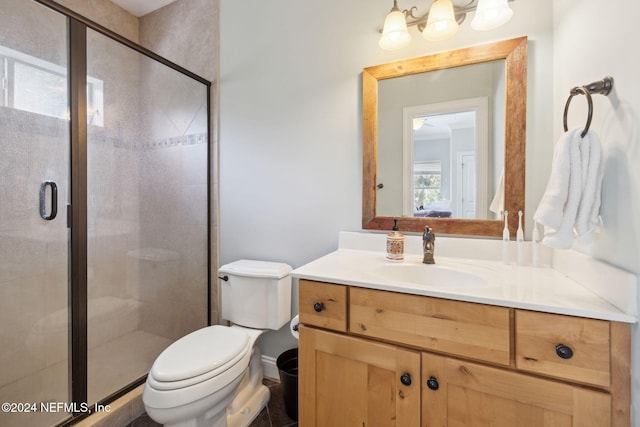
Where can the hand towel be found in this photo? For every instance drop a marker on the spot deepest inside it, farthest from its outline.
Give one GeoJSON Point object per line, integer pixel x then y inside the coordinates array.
{"type": "Point", "coordinates": [558, 207]}
{"type": "Point", "coordinates": [587, 220]}
{"type": "Point", "coordinates": [550, 210]}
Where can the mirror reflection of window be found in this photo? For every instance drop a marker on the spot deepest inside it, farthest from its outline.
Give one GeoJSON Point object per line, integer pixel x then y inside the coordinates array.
{"type": "Point", "coordinates": [427, 184]}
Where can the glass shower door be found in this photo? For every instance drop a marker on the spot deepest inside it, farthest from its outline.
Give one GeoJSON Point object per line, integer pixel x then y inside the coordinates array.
{"type": "Point", "coordinates": [147, 148]}
{"type": "Point", "coordinates": [34, 238]}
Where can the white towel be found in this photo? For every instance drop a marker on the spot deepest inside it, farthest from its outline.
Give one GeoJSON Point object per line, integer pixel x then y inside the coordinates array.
{"type": "Point", "coordinates": [497, 204]}
{"type": "Point", "coordinates": [563, 193]}
{"type": "Point", "coordinates": [587, 220]}
{"type": "Point", "coordinates": [572, 196]}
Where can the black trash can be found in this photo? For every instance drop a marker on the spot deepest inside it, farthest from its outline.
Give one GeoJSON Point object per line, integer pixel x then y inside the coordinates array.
{"type": "Point", "coordinates": [287, 364]}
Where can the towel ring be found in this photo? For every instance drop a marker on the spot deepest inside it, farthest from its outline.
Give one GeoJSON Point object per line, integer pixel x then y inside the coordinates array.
{"type": "Point", "coordinates": [602, 87]}
{"type": "Point", "coordinates": [575, 91]}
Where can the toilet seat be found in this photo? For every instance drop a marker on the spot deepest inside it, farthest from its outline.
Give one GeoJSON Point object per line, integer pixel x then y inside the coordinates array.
{"type": "Point", "coordinates": [227, 380]}
{"type": "Point", "coordinates": [198, 357]}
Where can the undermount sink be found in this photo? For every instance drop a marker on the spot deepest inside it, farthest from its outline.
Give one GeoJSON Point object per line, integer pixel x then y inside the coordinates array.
{"type": "Point", "coordinates": [430, 275]}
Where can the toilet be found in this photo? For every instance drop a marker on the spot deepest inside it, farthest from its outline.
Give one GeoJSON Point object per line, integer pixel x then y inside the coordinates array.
{"type": "Point", "coordinates": [212, 377]}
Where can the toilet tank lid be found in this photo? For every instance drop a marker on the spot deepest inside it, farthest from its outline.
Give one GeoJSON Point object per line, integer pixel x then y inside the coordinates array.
{"type": "Point", "coordinates": [252, 268]}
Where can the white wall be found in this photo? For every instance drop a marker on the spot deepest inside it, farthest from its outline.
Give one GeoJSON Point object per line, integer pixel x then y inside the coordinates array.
{"type": "Point", "coordinates": [290, 119]}
{"type": "Point", "coordinates": [593, 39]}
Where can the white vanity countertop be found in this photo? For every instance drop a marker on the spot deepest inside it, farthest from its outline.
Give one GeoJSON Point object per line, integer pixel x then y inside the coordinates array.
{"type": "Point", "coordinates": [532, 288]}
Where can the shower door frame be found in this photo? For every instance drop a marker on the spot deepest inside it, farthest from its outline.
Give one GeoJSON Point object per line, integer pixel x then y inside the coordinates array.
{"type": "Point", "coordinates": [77, 210]}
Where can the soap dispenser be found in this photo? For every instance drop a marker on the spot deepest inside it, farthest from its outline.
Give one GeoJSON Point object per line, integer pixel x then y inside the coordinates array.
{"type": "Point", "coordinates": [395, 244]}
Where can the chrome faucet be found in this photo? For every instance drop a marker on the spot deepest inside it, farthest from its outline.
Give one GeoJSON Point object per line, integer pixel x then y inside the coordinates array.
{"type": "Point", "coordinates": [428, 245]}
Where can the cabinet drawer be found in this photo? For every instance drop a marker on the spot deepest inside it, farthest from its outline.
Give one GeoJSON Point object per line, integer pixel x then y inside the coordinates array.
{"type": "Point", "coordinates": [323, 305]}
{"type": "Point", "coordinates": [471, 330]}
{"type": "Point", "coordinates": [565, 347]}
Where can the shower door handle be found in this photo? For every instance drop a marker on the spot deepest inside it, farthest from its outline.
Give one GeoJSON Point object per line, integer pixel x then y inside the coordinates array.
{"type": "Point", "coordinates": [54, 200]}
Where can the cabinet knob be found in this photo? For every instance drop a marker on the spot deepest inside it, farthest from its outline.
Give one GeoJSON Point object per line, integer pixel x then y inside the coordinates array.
{"type": "Point", "coordinates": [564, 351]}
{"type": "Point", "coordinates": [432, 383]}
{"type": "Point", "coordinates": [405, 379]}
{"type": "Point", "coordinates": [318, 307]}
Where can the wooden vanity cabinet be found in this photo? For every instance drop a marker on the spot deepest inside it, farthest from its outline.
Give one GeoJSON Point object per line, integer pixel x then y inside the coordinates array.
{"type": "Point", "coordinates": [377, 358]}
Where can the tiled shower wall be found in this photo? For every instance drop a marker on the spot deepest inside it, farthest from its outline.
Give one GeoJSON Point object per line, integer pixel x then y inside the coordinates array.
{"type": "Point", "coordinates": [122, 215]}
{"type": "Point", "coordinates": [174, 200]}
{"type": "Point", "coordinates": [185, 32]}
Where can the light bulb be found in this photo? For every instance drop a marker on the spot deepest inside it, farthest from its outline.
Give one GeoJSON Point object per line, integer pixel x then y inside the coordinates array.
{"type": "Point", "coordinates": [394, 33]}
{"type": "Point", "coordinates": [441, 23]}
{"type": "Point", "coordinates": [491, 14]}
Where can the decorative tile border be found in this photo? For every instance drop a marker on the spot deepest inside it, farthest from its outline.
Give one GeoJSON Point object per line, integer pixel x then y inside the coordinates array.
{"type": "Point", "coordinates": [193, 139]}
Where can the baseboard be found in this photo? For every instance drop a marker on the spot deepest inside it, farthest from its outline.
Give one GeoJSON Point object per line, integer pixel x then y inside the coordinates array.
{"type": "Point", "coordinates": [270, 368]}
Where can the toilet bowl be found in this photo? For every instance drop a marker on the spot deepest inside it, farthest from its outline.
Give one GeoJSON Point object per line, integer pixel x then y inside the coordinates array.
{"type": "Point", "coordinates": [186, 388]}
{"type": "Point", "coordinates": [212, 377]}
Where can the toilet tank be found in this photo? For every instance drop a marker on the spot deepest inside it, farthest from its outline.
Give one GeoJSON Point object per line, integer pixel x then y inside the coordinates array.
{"type": "Point", "coordinates": [256, 294]}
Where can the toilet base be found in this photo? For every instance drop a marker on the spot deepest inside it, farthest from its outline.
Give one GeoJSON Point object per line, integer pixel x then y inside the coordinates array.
{"type": "Point", "coordinates": [241, 406]}
{"type": "Point", "coordinates": [251, 408]}
{"type": "Point", "coordinates": [207, 412]}
{"type": "Point", "coordinates": [252, 395]}
{"type": "Point", "coordinates": [249, 405]}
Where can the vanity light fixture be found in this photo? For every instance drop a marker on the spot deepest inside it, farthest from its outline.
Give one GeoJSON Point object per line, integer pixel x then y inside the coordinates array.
{"type": "Point", "coordinates": [491, 14]}
{"type": "Point", "coordinates": [394, 32]}
{"type": "Point", "coordinates": [441, 21]}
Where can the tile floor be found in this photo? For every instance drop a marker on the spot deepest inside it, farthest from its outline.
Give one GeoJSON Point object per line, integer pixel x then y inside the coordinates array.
{"type": "Point", "coordinates": [274, 415]}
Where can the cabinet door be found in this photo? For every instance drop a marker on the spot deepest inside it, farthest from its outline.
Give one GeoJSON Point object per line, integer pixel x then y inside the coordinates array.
{"type": "Point", "coordinates": [346, 381]}
{"type": "Point", "coordinates": [469, 394]}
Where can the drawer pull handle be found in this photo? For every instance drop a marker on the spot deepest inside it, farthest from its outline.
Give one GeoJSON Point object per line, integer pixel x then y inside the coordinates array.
{"type": "Point", "coordinates": [432, 383]}
{"type": "Point", "coordinates": [318, 307]}
{"type": "Point", "coordinates": [405, 379]}
{"type": "Point", "coordinates": [564, 351]}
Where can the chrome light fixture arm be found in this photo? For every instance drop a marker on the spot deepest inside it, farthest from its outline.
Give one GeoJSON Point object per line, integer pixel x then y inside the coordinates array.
{"type": "Point", "coordinates": [421, 21]}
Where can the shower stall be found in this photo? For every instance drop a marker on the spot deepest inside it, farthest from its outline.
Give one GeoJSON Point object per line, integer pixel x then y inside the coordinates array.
{"type": "Point", "coordinates": [104, 201]}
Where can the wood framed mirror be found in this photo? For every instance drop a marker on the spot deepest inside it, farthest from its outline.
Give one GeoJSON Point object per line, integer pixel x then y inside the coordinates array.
{"type": "Point", "coordinates": [514, 54]}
